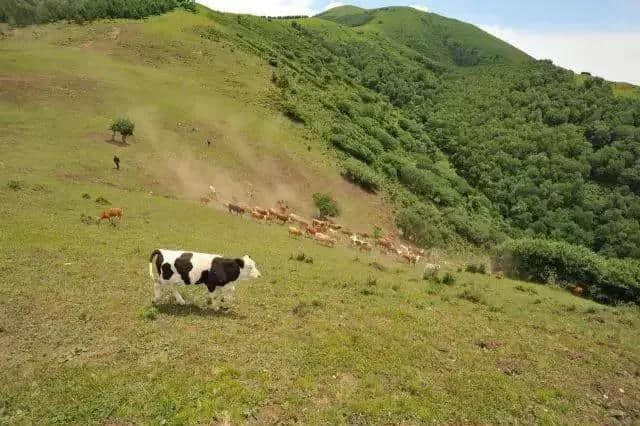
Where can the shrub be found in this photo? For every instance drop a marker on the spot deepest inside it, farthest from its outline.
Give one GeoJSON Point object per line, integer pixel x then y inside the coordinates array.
{"type": "Point", "coordinates": [358, 173]}
{"type": "Point", "coordinates": [448, 279]}
{"type": "Point", "coordinates": [353, 148]}
{"type": "Point", "coordinates": [301, 257]}
{"type": "Point", "coordinates": [327, 206]}
{"type": "Point", "coordinates": [293, 113]}
{"type": "Point", "coordinates": [103, 201]}
{"type": "Point", "coordinates": [124, 126]}
{"type": "Point", "coordinates": [606, 280]}
{"type": "Point", "coordinates": [15, 185]}
{"type": "Point", "coordinates": [473, 296]}
{"type": "Point", "coordinates": [431, 275]}
{"type": "Point", "coordinates": [480, 268]}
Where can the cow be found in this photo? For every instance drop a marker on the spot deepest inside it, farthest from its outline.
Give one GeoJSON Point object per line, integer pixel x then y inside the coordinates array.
{"type": "Point", "coordinates": [281, 217]}
{"type": "Point", "coordinates": [217, 273]}
{"type": "Point", "coordinates": [365, 246]}
{"type": "Point", "coordinates": [293, 231]}
{"type": "Point", "coordinates": [577, 291]}
{"type": "Point", "coordinates": [324, 239]}
{"type": "Point", "coordinates": [112, 212]}
{"type": "Point", "coordinates": [213, 194]}
{"type": "Point", "coordinates": [310, 230]}
{"type": "Point", "coordinates": [262, 211]}
{"type": "Point", "coordinates": [205, 200]}
{"type": "Point", "coordinates": [283, 206]}
{"type": "Point", "coordinates": [320, 225]}
{"type": "Point", "coordinates": [233, 208]}
{"type": "Point", "coordinates": [385, 244]}
{"type": "Point", "coordinates": [257, 215]}
{"type": "Point", "coordinates": [411, 258]}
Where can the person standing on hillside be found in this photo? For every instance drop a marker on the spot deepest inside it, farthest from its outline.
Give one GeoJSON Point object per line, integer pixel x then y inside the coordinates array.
{"type": "Point", "coordinates": [116, 160]}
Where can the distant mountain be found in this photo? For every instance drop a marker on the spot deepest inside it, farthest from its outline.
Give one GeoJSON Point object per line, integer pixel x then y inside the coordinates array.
{"type": "Point", "coordinates": [442, 39]}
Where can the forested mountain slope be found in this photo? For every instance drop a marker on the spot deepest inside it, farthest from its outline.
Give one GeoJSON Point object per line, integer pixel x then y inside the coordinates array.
{"type": "Point", "coordinates": [473, 150]}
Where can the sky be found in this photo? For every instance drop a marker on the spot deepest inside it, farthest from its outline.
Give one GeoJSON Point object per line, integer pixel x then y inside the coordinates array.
{"type": "Point", "coordinates": [598, 36]}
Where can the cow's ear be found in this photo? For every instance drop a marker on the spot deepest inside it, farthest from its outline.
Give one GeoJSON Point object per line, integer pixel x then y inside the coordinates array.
{"type": "Point", "coordinates": [240, 263]}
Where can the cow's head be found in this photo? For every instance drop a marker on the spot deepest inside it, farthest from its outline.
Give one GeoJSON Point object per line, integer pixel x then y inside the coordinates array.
{"type": "Point", "coordinates": [248, 268]}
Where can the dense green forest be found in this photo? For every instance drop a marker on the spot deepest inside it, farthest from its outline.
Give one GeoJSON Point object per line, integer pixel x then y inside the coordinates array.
{"type": "Point", "coordinates": [27, 12]}
{"type": "Point", "coordinates": [474, 140]}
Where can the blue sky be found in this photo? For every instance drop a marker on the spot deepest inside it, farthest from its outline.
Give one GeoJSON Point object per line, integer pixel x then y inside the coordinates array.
{"type": "Point", "coordinates": [602, 37]}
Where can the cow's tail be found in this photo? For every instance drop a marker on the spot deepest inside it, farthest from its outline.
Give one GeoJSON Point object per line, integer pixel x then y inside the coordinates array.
{"type": "Point", "coordinates": [153, 255]}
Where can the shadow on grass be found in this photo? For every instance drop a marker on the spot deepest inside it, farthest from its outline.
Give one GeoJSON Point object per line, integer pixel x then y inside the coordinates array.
{"type": "Point", "coordinates": [189, 309]}
{"type": "Point", "coordinates": [116, 142]}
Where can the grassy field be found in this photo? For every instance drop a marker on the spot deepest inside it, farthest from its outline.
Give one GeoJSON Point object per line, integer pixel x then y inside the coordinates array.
{"type": "Point", "coordinates": [336, 341]}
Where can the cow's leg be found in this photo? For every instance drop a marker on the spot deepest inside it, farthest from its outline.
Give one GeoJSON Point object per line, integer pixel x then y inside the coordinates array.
{"type": "Point", "coordinates": [177, 296]}
{"type": "Point", "coordinates": [157, 292]}
{"type": "Point", "coordinates": [213, 296]}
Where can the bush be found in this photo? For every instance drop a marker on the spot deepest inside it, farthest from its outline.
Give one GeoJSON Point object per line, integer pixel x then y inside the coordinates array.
{"type": "Point", "coordinates": [327, 206]}
{"type": "Point", "coordinates": [293, 113]}
{"type": "Point", "coordinates": [448, 279]}
{"type": "Point", "coordinates": [358, 173]}
{"type": "Point", "coordinates": [124, 126]}
{"type": "Point", "coordinates": [15, 185]}
{"type": "Point", "coordinates": [473, 296]}
{"type": "Point", "coordinates": [353, 148]}
{"type": "Point", "coordinates": [606, 280]}
{"type": "Point", "coordinates": [480, 268]}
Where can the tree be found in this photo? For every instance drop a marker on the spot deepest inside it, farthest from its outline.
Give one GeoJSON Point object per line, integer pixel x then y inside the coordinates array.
{"type": "Point", "coordinates": [124, 126]}
{"type": "Point", "coordinates": [327, 206]}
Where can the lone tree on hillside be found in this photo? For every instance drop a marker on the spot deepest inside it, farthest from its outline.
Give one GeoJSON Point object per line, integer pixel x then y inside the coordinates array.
{"type": "Point", "coordinates": [327, 206]}
{"type": "Point", "coordinates": [124, 126]}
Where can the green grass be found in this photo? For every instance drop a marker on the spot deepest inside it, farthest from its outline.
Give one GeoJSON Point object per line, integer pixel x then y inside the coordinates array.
{"type": "Point", "coordinates": [341, 339]}
{"type": "Point", "coordinates": [332, 341]}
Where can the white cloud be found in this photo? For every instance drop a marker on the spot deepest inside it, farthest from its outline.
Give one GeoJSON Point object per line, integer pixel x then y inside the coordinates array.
{"type": "Point", "coordinates": [421, 7]}
{"type": "Point", "coordinates": [333, 4]}
{"type": "Point", "coordinates": [263, 7]}
{"type": "Point", "coordinates": [612, 55]}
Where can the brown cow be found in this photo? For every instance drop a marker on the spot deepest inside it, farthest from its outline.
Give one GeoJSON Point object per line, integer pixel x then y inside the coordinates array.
{"type": "Point", "coordinates": [283, 206]}
{"type": "Point", "coordinates": [294, 231]}
{"type": "Point", "coordinates": [320, 225]}
{"type": "Point", "coordinates": [577, 291]}
{"type": "Point", "coordinates": [112, 212]}
{"type": "Point", "coordinates": [233, 208]}
{"type": "Point", "coordinates": [310, 230]}
{"type": "Point", "coordinates": [258, 215]}
{"type": "Point", "coordinates": [281, 217]}
{"type": "Point", "coordinates": [411, 259]}
{"type": "Point", "coordinates": [262, 211]}
{"type": "Point", "coordinates": [325, 239]}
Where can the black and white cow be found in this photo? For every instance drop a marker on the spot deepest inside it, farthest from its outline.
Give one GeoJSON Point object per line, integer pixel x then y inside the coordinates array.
{"type": "Point", "coordinates": [218, 273]}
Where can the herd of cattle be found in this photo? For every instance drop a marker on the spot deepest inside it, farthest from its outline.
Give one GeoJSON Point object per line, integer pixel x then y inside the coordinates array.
{"type": "Point", "coordinates": [325, 232]}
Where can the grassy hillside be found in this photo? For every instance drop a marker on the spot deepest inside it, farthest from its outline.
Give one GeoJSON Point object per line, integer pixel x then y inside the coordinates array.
{"type": "Point", "coordinates": [439, 38]}
{"type": "Point", "coordinates": [348, 338]}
